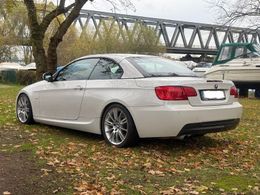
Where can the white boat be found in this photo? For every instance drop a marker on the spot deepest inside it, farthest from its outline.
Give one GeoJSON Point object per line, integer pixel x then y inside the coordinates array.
{"type": "Point", "coordinates": [16, 66]}
{"type": "Point", "coordinates": [31, 66]}
{"type": "Point", "coordinates": [201, 68]}
{"type": "Point", "coordinates": [239, 62]}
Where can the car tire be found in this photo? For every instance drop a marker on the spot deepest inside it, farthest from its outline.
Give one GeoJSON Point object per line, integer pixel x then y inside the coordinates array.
{"type": "Point", "coordinates": [198, 135]}
{"type": "Point", "coordinates": [257, 93]}
{"type": "Point", "coordinates": [118, 127]}
{"type": "Point", "coordinates": [24, 109]}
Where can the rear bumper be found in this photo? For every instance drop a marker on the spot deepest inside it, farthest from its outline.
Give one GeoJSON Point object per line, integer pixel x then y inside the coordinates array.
{"type": "Point", "coordinates": [209, 127]}
{"type": "Point", "coordinates": [172, 120]}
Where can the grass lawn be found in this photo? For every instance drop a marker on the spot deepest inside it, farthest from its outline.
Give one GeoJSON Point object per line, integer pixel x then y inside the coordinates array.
{"type": "Point", "coordinates": [75, 162]}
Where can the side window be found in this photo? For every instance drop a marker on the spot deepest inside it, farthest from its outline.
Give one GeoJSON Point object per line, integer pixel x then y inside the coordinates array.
{"type": "Point", "coordinates": [79, 70]}
{"type": "Point", "coordinates": [106, 69]}
{"type": "Point", "coordinates": [225, 53]}
{"type": "Point", "coordinates": [242, 52]}
{"type": "Point", "coordinates": [239, 51]}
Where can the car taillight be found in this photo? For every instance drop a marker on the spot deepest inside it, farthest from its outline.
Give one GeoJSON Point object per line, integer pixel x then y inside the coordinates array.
{"type": "Point", "coordinates": [234, 92]}
{"type": "Point", "coordinates": [175, 92]}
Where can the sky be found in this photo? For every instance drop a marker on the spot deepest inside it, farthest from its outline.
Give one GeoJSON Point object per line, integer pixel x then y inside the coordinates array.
{"type": "Point", "coordinates": [184, 10]}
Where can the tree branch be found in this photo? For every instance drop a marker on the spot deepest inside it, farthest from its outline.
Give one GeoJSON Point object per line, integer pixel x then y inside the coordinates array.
{"type": "Point", "coordinates": [53, 14]}
{"type": "Point", "coordinates": [245, 11]}
{"type": "Point", "coordinates": [57, 37]}
{"type": "Point", "coordinates": [32, 15]}
{"type": "Point", "coordinates": [62, 3]}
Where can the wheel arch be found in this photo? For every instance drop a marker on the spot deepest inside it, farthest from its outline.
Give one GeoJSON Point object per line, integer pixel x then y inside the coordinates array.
{"type": "Point", "coordinates": [22, 92]}
{"type": "Point", "coordinates": [30, 116]}
{"type": "Point", "coordinates": [25, 93]}
{"type": "Point", "coordinates": [119, 103]}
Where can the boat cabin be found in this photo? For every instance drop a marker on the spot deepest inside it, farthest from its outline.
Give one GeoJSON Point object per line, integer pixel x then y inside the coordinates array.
{"type": "Point", "coordinates": [230, 51]}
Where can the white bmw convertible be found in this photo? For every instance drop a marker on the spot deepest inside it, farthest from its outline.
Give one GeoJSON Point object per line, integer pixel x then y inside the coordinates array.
{"type": "Point", "coordinates": [125, 97]}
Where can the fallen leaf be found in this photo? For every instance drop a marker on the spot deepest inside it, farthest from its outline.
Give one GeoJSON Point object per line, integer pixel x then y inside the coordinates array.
{"type": "Point", "coordinates": [194, 192]}
{"type": "Point", "coordinates": [159, 173]}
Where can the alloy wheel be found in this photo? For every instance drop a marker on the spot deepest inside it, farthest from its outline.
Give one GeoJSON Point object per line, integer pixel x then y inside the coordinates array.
{"type": "Point", "coordinates": [116, 126]}
{"type": "Point", "coordinates": [23, 109]}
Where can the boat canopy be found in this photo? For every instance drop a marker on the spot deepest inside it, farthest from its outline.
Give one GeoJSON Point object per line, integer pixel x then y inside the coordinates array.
{"type": "Point", "coordinates": [230, 51]}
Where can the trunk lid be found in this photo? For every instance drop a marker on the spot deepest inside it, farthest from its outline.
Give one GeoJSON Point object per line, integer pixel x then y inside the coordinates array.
{"type": "Point", "coordinates": [209, 92]}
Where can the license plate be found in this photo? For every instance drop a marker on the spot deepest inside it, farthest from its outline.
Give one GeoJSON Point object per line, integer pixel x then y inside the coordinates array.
{"type": "Point", "coordinates": [212, 95]}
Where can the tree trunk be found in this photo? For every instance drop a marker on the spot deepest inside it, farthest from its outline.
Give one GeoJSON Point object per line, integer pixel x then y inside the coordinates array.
{"type": "Point", "coordinates": [52, 55]}
{"type": "Point", "coordinates": [39, 54]}
{"type": "Point", "coordinates": [37, 36]}
{"type": "Point", "coordinates": [57, 37]}
{"type": "Point", "coordinates": [49, 62]}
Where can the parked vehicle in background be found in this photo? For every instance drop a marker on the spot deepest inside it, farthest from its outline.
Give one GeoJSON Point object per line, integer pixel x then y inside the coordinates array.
{"type": "Point", "coordinates": [201, 68]}
{"type": "Point", "coordinates": [10, 66]}
{"type": "Point", "coordinates": [31, 66]}
{"type": "Point", "coordinates": [239, 62]}
{"type": "Point", "coordinates": [190, 64]}
{"type": "Point", "coordinates": [16, 66]}
{"type": "Point", "coordinates": [124, 97]}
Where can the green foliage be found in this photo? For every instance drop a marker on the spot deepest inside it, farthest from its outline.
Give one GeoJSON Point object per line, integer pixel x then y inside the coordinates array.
{"type": "Point", "coordinates": [25, 77]}
{"type": "Point", "coordinates": [8, 76]}
{"type": "Point", "coordinates": [6, 53]}
{"type": "Point", "coordinates": [110, 39]}
{"type": "Point", "coordinates": [14, 24]}
{"type": "Point", "coordinates": [21, 77]}
{"type": "Point", "coordinates": [8, 5]}
{"type": "Point", "coordinates": [13, 30]}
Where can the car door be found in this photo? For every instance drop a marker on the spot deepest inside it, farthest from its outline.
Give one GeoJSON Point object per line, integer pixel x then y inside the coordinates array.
{"type": "Point", "coordinates": [62, 98]}
{"type": "Point", "coordinates": [103, 84]}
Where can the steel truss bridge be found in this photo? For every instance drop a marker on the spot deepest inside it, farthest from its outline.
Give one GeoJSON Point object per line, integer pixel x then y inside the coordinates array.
{"type": "Point", "coordinates": [177, 36]}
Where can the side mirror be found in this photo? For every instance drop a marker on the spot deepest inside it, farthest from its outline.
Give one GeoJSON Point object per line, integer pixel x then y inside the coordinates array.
{"type": "Point", "coordinates": [47, 77]}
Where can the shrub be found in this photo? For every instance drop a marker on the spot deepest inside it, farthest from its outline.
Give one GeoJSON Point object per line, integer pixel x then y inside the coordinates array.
{"type": "Point", "coordinates": [25, 77]}
{"type": "Point", "coordinates": [110, 39]}
{"type": "Point", "coordinates": [8, 76]}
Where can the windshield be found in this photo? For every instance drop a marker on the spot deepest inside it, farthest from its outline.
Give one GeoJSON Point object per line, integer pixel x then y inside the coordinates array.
{"type": "Point", "coordinates": [257, 48]}
{"type": "Point", "coordinates": [160, 67]}
{"type": "Point", "coordinates": [249, 55]}
{"type": "Point", "coordinates": [243, 52]}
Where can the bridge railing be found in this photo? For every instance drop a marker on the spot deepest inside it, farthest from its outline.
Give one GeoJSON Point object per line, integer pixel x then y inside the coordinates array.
{"type": "Point", "coordinates": [176, 36]}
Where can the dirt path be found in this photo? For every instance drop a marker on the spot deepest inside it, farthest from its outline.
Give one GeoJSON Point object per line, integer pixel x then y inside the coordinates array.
{"type": "Point", "coordinates": [20, 174]}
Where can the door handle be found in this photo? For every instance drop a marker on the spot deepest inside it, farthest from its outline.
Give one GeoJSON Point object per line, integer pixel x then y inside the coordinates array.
{"type": "Point", "coordinates": [78, 88]}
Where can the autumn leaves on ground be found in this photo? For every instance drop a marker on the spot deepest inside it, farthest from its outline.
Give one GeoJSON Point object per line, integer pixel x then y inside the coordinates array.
{"type": "Point", "coordinates": [40, 159]}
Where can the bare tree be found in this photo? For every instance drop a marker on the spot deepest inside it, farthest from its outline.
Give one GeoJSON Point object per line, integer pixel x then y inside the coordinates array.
{"type": "Point", "coordinates": [39, 23]}
{"type": "Point", "coordinates": [245, 12]}
{"type": "Point", "coordinates": [47, 60]}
